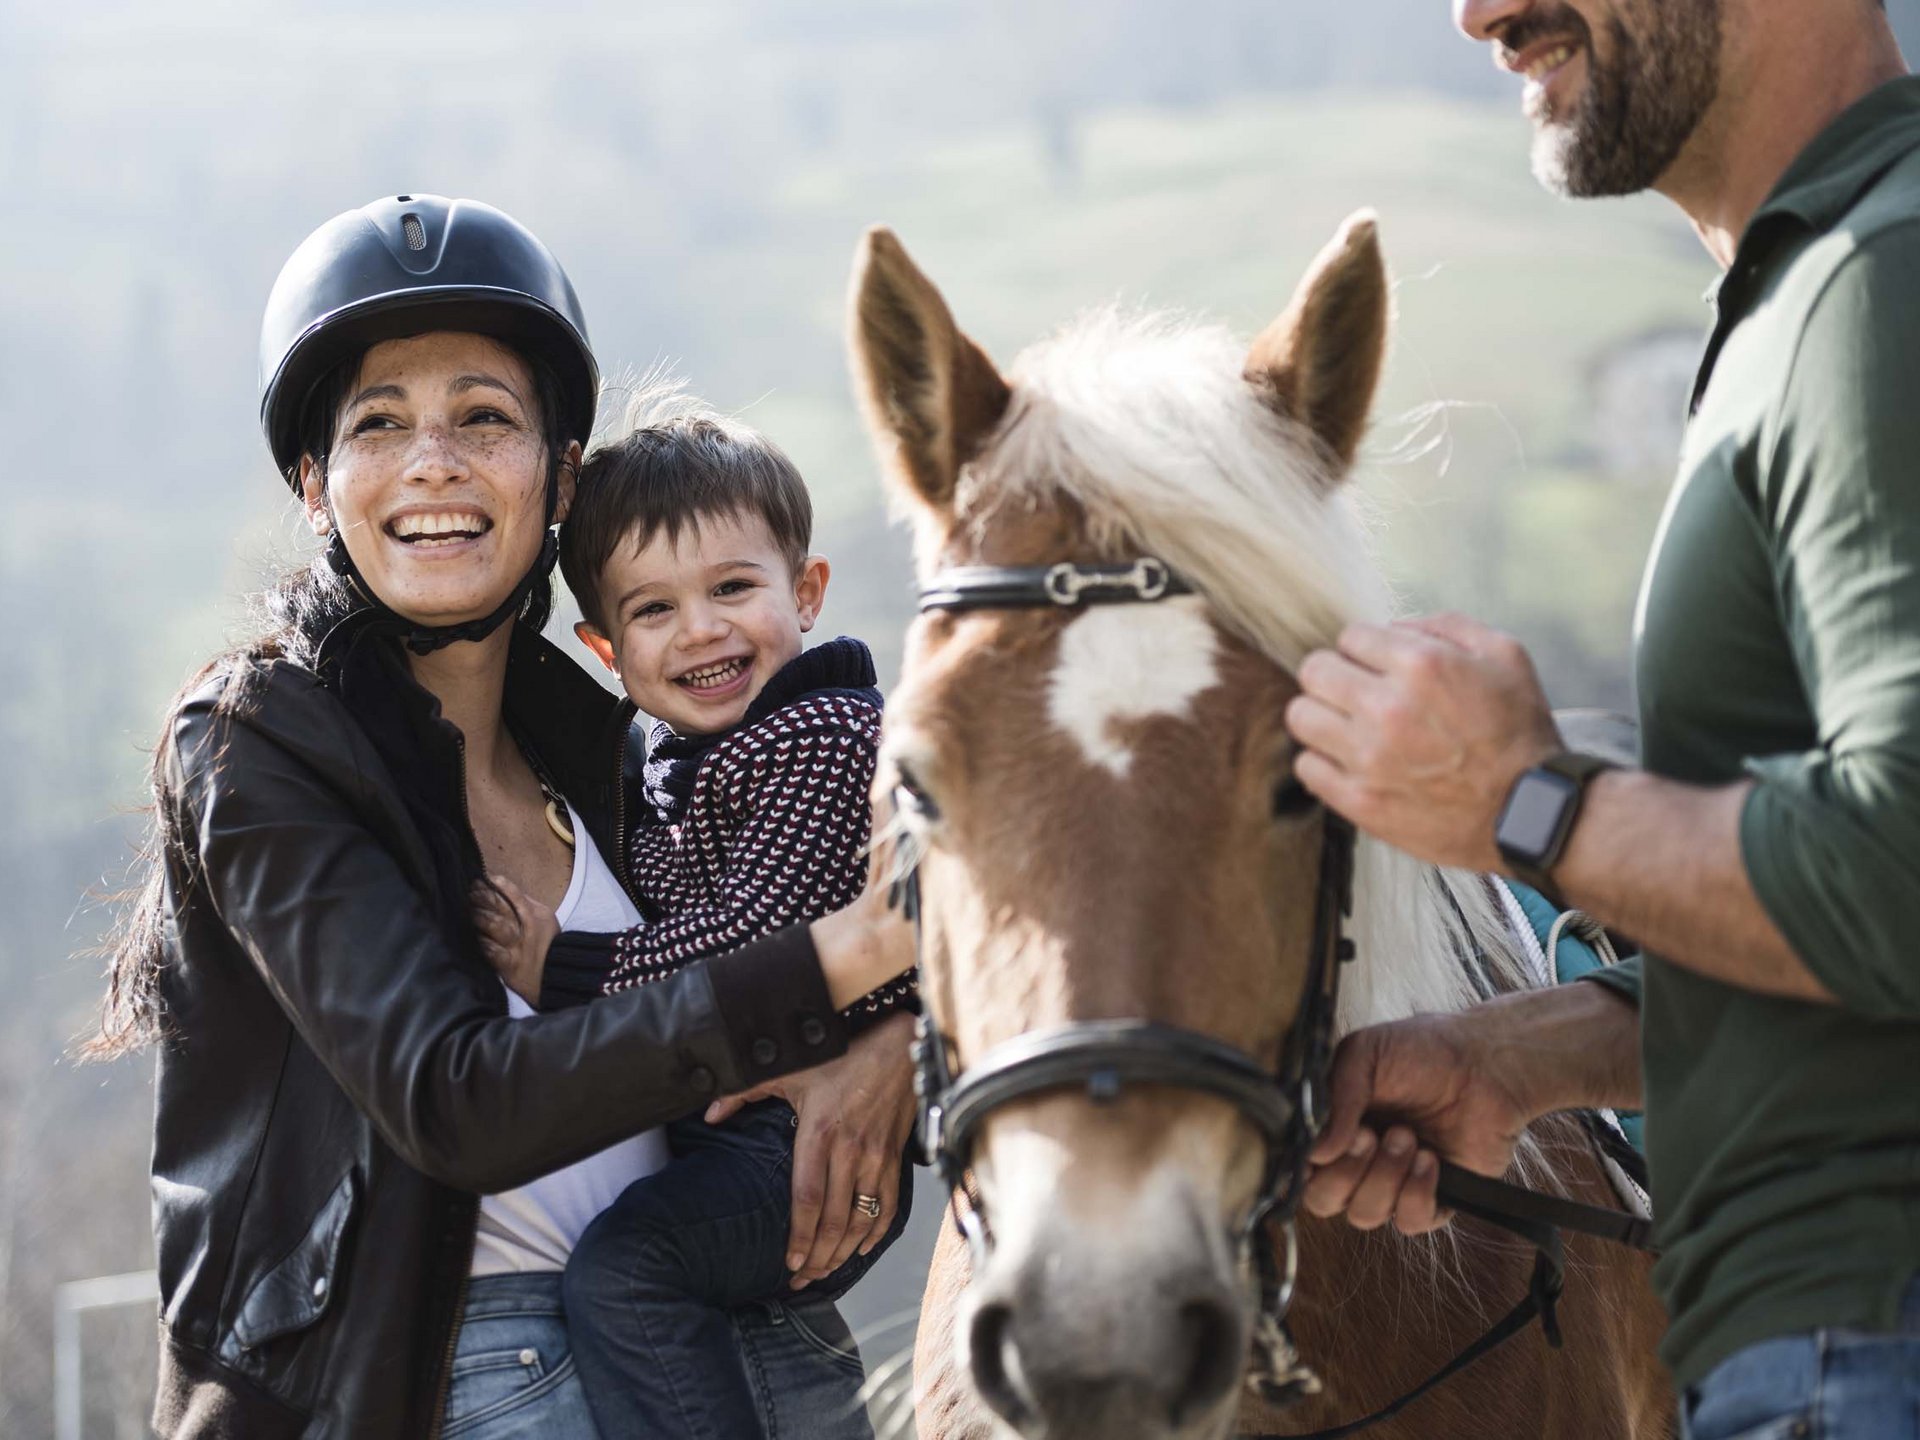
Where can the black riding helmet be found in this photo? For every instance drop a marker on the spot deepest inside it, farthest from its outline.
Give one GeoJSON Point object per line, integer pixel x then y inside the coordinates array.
{"type": "Point", "coordinates": [406, 266]}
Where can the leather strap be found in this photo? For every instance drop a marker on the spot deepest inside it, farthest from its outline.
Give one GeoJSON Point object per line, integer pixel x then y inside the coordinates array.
{"type": "Point", "coordinates": [1535, 1218]}
{"type": "Point", "coordinates": [1499, 1203]}
{"type": "Point", "coordinates": [1028, 587]}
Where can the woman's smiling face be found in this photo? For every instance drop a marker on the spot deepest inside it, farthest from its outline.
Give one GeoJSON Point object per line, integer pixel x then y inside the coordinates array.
{"type": "Point", "coordinates": [437, 476]}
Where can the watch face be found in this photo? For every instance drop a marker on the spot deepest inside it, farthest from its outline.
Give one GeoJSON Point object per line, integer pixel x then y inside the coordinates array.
{"type": "Point", "coordinates": [1533, 812]}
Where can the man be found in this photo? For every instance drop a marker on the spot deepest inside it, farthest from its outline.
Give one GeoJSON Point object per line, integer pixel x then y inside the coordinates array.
{"type": "Point", "coordinates": [1768, 856]}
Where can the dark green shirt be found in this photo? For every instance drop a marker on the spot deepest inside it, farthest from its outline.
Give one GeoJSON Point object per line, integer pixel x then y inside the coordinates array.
{"type": "Point", "coordinates": [1778, 638]}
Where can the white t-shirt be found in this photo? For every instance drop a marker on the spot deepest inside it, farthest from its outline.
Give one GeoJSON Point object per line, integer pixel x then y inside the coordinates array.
{"type": "Point", "coordinates": [537, 1226]}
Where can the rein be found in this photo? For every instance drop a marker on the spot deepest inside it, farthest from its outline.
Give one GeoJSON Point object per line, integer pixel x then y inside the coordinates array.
{"type": "Point", "coordinates": [1286, 1106]}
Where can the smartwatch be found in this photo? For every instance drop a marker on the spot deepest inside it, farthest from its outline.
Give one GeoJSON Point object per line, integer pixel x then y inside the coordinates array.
{"type": "Point", "coordinates": [1538, 817]}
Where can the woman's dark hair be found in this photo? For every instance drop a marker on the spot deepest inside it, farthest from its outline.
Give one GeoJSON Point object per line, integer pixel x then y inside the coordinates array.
{"type": "Point", "coordinates": [298, 609]}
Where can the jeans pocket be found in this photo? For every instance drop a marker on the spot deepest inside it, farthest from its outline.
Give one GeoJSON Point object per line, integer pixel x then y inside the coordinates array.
{"type": "Point", "coordinates": [820, 1327]}
{"type": "Point", "coordinates": [491, 1383]}
{"type": "Point", "coordinates": [1786, 1427]}
{"type": "Point", "coordinates": [1722, 1416]}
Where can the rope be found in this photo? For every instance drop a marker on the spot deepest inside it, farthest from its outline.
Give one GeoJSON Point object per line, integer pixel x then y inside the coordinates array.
{"type": "Point", "coordinates": [1585, 928]}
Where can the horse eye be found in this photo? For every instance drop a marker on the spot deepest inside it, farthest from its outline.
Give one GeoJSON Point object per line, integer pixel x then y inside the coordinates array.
{"type": "Point", "coordinates": [911, 797]}
{"type": "Point", "coordinates": [1291, 799]}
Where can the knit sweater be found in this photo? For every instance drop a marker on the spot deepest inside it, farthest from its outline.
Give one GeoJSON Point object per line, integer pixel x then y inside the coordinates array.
{"type": "Point", "coordinates": [747, 832]}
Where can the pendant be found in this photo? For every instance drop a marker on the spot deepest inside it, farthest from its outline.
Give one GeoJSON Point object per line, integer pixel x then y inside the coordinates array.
{"type": "Point", "coordinates": [557, 822]}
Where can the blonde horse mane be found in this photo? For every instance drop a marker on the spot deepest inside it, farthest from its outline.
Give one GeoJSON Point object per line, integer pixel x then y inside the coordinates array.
{"type": "Point", "coordinates": [1147, 425]}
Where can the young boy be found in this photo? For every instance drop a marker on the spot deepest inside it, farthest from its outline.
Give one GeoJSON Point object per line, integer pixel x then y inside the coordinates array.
{"type": "Point", "coordinates": [686, 549]}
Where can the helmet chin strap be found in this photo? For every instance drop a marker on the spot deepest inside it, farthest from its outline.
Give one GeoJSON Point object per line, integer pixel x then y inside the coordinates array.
{"type": "Point", "coordinates": [425, 639]}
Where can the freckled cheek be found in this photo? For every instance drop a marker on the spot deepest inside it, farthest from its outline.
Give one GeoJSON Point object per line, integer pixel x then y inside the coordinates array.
{"type": "Point", "coordinates": [352, 493]}
{"type": "Point", "coordinates": [512, 466]}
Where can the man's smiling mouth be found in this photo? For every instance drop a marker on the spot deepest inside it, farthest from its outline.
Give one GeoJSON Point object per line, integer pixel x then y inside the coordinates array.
{"type": "Point", "coordinates": [1551, 61]}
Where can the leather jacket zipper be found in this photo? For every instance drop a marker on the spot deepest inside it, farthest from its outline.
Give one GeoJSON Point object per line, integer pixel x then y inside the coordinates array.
{"type": "Point", "coordinates": [444, 1384]}
{"type": "Point", "coordinates": [444, 1387]}
{"type": "Point", "coordinates": [619, 857]}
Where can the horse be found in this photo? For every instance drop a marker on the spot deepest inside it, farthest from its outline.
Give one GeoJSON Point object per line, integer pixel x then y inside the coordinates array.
{"type": "Point", "coordinates": [1098, 808]}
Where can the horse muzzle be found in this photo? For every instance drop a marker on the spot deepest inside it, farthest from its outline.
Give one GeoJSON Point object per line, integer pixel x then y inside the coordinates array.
{"type": "Point", "coordinates": [1134, 1332]}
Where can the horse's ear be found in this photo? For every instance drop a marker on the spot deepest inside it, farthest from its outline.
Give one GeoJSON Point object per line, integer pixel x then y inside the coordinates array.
{"type": "Point", "coordinates": [930, 395]}
{"type": "Point", "coordinates": [1319, 362]}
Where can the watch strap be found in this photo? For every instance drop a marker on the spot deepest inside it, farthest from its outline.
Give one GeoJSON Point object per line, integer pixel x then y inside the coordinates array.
{"type": "Point", "coordinates": [1577, 767]}
{"type": "Point", "coordinates": [1580, 768]}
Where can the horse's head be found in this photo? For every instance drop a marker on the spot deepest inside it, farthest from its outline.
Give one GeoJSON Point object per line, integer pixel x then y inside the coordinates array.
{"type": "Point", "coordinates": [1101, 799]}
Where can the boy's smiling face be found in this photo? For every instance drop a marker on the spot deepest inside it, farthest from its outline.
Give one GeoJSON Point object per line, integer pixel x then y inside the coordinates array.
{"type": "Point", "coordinates": [699, 625]}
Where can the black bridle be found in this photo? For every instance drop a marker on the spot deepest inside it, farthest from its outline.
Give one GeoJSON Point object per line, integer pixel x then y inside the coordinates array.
{"type": "Point", "coordinates": [1285, 1105]}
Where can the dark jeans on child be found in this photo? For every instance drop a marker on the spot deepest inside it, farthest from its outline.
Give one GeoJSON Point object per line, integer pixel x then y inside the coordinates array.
{"type": "Point", "coordinates": [674, 1289]}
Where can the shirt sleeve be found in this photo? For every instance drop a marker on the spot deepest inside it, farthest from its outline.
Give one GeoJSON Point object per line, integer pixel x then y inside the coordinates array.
{"type": "Point", "coordinates": [798, 851]}
{"type": "Point", "coordinates": [1624, 979]}
{"type": "Point", "coordinates": [578, 962]}
{"type": "Point", "coordinates": [1831, 837]}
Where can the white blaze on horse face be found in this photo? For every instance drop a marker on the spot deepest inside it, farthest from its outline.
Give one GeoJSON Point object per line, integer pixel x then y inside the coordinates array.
{"type": "Point", "coordinates": [1130, 662]}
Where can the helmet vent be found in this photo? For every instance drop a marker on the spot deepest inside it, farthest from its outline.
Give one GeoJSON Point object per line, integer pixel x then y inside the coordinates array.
{"type": "Point", "coordinates": [415, 232]}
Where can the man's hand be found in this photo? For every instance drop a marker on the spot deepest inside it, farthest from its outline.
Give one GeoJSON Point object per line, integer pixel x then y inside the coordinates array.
{"type": "Point", "coordinates": [1416, 731]}
{"type": "Point", "coordinates": [1423, 1082]}
{"type": "Point", "coordinates": [1463, 1088]}
{"type": "Point", "coordinates": [855, 1114]}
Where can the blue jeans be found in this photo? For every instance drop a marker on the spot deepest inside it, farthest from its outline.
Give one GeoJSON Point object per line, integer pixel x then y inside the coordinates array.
{"type": "Point", "coordinates": [1828, 1385]}
{"type": "Point", "coordinates": [678, 1305]}
{"type": "Point", "coordinates": [513, 1375]}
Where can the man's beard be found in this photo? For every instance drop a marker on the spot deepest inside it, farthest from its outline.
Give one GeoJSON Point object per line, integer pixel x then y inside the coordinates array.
{"type": "Point", "coordinates": [1639, 107]}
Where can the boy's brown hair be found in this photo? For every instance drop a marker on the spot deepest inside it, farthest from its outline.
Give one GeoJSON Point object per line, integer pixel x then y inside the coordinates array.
{"type": "Point", "coordinates": [679, 463]}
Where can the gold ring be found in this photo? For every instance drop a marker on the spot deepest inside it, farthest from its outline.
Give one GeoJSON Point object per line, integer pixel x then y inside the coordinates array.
{"type": "Point", "coordinates": [867, 1205]}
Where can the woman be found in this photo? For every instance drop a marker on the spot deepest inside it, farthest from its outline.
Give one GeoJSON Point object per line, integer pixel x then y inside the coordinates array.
{"type": "Point", "coordinates": [339, 1082]}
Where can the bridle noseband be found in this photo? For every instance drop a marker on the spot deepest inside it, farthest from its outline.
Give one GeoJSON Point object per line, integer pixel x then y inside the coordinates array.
{"type": "Point", "coordinates": [1104, 1057]}
{"type": "Point", "coordinates": [1285, 1106]}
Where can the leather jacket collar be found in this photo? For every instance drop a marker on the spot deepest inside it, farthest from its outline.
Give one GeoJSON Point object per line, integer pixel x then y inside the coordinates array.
{"type": "Point", "coordinates": [582, 735]}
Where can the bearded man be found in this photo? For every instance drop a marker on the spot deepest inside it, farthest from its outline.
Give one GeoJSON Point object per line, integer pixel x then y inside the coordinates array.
{"type": "Point", "coordinates": [1768, 855]}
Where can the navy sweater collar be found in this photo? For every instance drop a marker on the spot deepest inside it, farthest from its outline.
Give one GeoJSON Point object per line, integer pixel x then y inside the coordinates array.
{"type": "Point", "coordinates": [838, 667]}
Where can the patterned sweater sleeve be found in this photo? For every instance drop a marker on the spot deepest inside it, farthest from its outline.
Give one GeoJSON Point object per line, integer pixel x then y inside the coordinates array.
{"type": "Point", "coordinates": [793, 800]}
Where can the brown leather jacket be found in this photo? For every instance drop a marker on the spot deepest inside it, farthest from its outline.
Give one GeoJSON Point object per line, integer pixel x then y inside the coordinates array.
{"type": "Point", "coordinates": [339, 1082]}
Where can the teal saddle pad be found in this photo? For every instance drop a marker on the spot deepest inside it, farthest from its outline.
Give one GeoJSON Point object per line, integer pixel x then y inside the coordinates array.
{"type": "Point", "coordinates": [1571, 959]}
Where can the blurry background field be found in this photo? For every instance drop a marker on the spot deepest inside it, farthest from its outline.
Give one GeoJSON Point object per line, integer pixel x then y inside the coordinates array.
{"type": "Point", "coordinates": [704, 171]}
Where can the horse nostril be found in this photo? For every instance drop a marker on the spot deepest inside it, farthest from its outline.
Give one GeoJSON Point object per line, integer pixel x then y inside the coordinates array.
{"type": "Point", "coordinates": [1210, 1345]}
{"type": "Point", "coordinates": [996, 1364]}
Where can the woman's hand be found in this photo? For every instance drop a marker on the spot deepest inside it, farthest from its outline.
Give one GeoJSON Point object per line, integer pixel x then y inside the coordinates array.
{"type": "Point", "coordinates": [855, 1115]}
{"type": "Point", "coordinates": [515, 931]}
{"type": "Point", "coordinates": [865, 945]}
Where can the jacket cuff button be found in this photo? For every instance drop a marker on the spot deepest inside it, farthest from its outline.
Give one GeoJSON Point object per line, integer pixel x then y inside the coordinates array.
{"type": "Point", "coordinates": [813, 1030]}
{"type": "Point", "coordinates": [702, 1081]}
{"type": "Point", "coordinates": [764, 1052]}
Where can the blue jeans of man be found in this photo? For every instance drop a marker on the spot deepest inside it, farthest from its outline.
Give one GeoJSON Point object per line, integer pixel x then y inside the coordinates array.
{"type": "Point", "coordinates": [1833, 1384]}
{"type": "Point", "coordinates": [678, 1307]}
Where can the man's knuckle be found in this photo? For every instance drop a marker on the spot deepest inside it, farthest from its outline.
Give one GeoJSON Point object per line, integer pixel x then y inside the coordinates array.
{"type": "Point", "coordinates": [1426, 668]}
